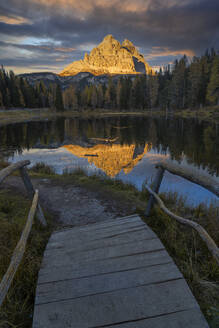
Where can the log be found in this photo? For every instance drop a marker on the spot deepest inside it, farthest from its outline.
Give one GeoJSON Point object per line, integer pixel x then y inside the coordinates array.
{"type": "Point", "coordinates": [18, 252]}
{"type": "Point", "coordinates": [212, 247]}
{"type": "Point", "coordinates": [11, 168]}
{"type": "Point", "coordinates": [30, 191]}
{"type": "Point", "coordinates": [156, 187]}
{"type": "Point", "coordinates": [207, 182]}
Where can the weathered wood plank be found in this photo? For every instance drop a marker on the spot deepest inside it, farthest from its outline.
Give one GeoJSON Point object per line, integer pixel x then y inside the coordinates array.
{"type": "Point", "coordinates": [74, 270]}
{"type": "Point", "coordinates": [106, 223]}
{"type": "Point", "coordinates": [94, 235]}
{"type": "Point", "coordinates": [114, 307]}
{"type": "Point", "coordinates": [111, 274]}
{"type": "Point", "coordinates": [61, 257]}
{"type": "Point", "coordinates": [105, 229]}
{"type": "Point", "coordinates": [81, 243]}
{"type": "Point", "coordinates": [74, 288]}
{"type": "Point", "coordinates": [180, 319]}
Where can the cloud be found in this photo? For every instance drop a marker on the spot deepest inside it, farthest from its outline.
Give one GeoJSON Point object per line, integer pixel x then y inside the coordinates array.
{"type": "Point", "coordinates": [14, 20]}
{"type": "Point", "coordinates": [161, 29]}
{"type": "Point", "coordinates": [165, 52]}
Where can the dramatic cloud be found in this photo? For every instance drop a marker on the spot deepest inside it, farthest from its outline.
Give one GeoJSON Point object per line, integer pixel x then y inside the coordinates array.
{"type": "Point", "coordinates": [48, 35]}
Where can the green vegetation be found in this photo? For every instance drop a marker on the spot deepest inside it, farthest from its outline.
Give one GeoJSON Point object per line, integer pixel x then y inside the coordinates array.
{"type": "Point", "coordinates": [17, 308]}
{"type": "Point", "coordinates": [58, 99]}
{"type": "Point", "coordinates": [42, 168]}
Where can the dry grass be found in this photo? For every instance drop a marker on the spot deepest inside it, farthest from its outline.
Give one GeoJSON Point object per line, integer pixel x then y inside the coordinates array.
{"type": "Point", "coordinates": [17, 308]}
{"type": "Point", "coordinates": [189, 251]}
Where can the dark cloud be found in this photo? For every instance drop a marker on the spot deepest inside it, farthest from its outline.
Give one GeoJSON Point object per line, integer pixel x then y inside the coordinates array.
{"type": "Point", "coordinates": [188, 25]}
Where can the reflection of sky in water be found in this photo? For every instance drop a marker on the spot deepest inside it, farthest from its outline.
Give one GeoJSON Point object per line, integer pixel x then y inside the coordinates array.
{"type": "Point", "coordinates": [61, 159]}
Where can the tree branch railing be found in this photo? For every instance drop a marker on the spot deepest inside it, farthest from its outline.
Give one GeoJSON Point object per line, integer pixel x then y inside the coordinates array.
{"type": "Point", "coordinates": [35, 209]}
{"type": "Point", "coordinates": [206, 182]}
{"type": "Point", "coordinates": [21, 166]}
{"type": "Point", "coordinates": [18, 252]}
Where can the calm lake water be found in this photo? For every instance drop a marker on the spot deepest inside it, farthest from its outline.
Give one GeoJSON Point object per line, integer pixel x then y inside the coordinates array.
{"type": "Point", "coordinates": [139, 143]}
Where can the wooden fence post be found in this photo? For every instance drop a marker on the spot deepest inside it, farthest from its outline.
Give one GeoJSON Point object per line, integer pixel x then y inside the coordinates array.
{"type": "Point", "coordinates": [155, 188]}
{"type": "Point", "coordinates": [30, 190]}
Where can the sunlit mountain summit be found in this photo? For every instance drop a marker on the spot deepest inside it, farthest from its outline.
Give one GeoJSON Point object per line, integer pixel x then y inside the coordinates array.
{"type": "Point", "coordinates": [110, 57]}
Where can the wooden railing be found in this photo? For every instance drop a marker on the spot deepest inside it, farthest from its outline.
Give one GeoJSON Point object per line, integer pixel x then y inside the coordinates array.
{"type": "Point", "coordinates": [27, 183]}
{"type": "Point", "coordinates": [35, 209]}
{"type": "Point", "coordinates": [206, 182]}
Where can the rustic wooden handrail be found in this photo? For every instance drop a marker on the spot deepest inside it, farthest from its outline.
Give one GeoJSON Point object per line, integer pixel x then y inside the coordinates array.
{"type": "Point", "coordinates": [201, 231]}
{"type": "Point", "coordinates": [207, 182]}
{"type": "Point", "coordinates": [18, 252]}
{"type": "Point", "coordinates": [27, 183]}
{"type": "Point", "coordinates": [11, 168]}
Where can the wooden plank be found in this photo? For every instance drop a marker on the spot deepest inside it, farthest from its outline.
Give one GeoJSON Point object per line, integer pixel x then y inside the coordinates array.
{"type": "Point", "coordinates": [97, 233]}
{"type": "Point", "coordinates": [18, 252]}
{"type": "Point", "coordinates": [61, 257]}
{"type": "Point", "coordinates": [74, 270]}
{"type": "Point", "coordinates": [95, 227]}
{"type": "Point", "coordinates": [112, 274]}
{"type": "Point", "coordinates": [74, 288]}
{"type": "Point", "coordinates": [192, 318]}
{"type": "Point", "coordinates": [109, 222]}
{"type": "Point", "coordinates": [116, 239]}
{"type": "Point", "coordinates": [115, 307]}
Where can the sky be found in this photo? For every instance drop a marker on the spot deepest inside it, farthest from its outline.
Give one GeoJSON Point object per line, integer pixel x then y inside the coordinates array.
{"type": "Point", "coordinates": [47, 35]}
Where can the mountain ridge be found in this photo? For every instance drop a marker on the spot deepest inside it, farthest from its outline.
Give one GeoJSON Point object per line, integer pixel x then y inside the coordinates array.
{"type": "Point", "coordinates": [110, 57]}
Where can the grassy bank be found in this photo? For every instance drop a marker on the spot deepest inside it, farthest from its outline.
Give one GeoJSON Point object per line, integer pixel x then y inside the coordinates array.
{"type": "Point", "coordinates": [17, 308]}
{"type": "Point", "coordinates": [183, 244]}
{"type": "Point", "coordinates": [210, 114]}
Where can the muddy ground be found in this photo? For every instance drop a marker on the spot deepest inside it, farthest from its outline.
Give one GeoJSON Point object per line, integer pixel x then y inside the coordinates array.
{"type": "Point", "coordinates": [72, 205]}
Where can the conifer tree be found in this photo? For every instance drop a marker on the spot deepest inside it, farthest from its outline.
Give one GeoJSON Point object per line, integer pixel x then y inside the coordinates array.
{"type": "Point", "coordinates": [213, 86]}
{"type": "Point", "coordinates": [100, 96]}
{"type": "Point", "coordinates": [94, 97]}
{"type": "Point", "coordinates": [58, 100]}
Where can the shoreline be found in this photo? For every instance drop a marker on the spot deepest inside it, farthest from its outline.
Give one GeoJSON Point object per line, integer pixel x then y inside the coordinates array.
{"type": "Point", "coordinates": [12, 116]}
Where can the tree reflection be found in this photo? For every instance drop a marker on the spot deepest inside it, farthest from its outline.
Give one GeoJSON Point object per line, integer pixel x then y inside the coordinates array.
{"type": "Point", "coordinates": [197, 141]}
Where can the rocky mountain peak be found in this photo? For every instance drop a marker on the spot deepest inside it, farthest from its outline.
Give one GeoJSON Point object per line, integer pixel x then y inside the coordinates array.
{"type": "Point", "coordinates": [108, 38]}
{"type": "Point", "coordinates": [110, 57]}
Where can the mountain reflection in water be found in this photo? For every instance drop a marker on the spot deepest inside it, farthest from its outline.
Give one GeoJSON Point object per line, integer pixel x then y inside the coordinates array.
{"type": "Point", "coordinates": [68, 144]}
{"type": "Point", "coordinates": [111, 159]}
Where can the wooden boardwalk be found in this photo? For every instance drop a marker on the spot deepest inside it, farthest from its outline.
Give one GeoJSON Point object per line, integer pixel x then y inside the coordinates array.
{"type": "Point", "coordinates": [112, 274]}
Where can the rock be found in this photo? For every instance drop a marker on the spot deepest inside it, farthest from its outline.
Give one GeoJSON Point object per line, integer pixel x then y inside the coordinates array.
{"type": "Point", "coordinates": [110, 57]}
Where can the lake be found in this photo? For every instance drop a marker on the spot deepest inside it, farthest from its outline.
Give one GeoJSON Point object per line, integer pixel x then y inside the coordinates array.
{"type": "Point", "coordinates": [139, 144]}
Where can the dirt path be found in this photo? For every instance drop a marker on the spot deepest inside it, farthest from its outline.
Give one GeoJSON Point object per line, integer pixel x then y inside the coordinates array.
{"type": "Point", "coordinates": [72, 205]}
